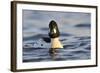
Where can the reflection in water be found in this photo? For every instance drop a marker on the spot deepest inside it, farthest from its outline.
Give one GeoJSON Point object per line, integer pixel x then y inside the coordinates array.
{"type": "Point", "coordinates": [53, 56]}
{"type": "Point", "coordinates": [52, 53]}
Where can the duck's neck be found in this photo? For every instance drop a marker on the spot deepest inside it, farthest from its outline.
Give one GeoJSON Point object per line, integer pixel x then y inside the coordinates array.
{"type": "Point", "coordinates": [55, 43]}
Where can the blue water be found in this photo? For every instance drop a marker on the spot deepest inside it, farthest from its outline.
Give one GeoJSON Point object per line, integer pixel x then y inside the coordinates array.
{"type": "Point", "coordinates": [75, 38]}
{"type": "Point", "coordinates": [76, 47]}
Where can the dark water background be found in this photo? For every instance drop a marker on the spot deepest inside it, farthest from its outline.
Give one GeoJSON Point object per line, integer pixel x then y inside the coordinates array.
{"type": "Point", "coordinates": [75, 38]}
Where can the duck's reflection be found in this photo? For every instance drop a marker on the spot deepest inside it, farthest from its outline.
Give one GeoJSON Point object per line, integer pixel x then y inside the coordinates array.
{"type": "Point", "coordinates": [53, 53]}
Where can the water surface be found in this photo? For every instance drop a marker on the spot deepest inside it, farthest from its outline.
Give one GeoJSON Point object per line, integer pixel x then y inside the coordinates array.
{"type": "Point", "coordinates": [74, 35]}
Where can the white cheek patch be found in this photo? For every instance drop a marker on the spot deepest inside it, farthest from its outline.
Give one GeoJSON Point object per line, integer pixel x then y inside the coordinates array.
{"type": "Point", "coordinates": [54, 30]}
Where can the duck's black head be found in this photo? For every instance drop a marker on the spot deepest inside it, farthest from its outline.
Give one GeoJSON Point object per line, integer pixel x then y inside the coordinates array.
{"type": "Point", "coordinates": [54, 31]}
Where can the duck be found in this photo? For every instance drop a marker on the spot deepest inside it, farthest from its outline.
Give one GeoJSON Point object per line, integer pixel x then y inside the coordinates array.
{"type": "Point", "coordinates": [54, 34]}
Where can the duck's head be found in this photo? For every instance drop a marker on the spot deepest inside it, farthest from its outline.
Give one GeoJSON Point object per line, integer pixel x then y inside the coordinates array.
{"type": "Point", "coordinates": [54, 31]}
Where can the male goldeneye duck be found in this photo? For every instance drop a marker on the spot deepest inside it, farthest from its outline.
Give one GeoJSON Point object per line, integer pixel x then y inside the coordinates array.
{"type": "Point", "coordinates": [54, 35]}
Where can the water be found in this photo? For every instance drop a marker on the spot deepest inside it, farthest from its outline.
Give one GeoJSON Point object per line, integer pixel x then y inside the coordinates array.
{"type": "Point", "coordinates": [75, 38]}
{"type": "Point", "coordinates": [76, 47]}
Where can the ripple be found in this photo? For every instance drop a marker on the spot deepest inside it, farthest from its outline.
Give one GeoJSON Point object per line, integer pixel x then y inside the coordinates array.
{"type": "Point", "coordinates": [88, 48]}
{"type": "Point", "coordinates": [79, 52]}
{"type": "Point", "coordinates": [75, 48]}
{"type": "Point", "coordinates": [83, 25]}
